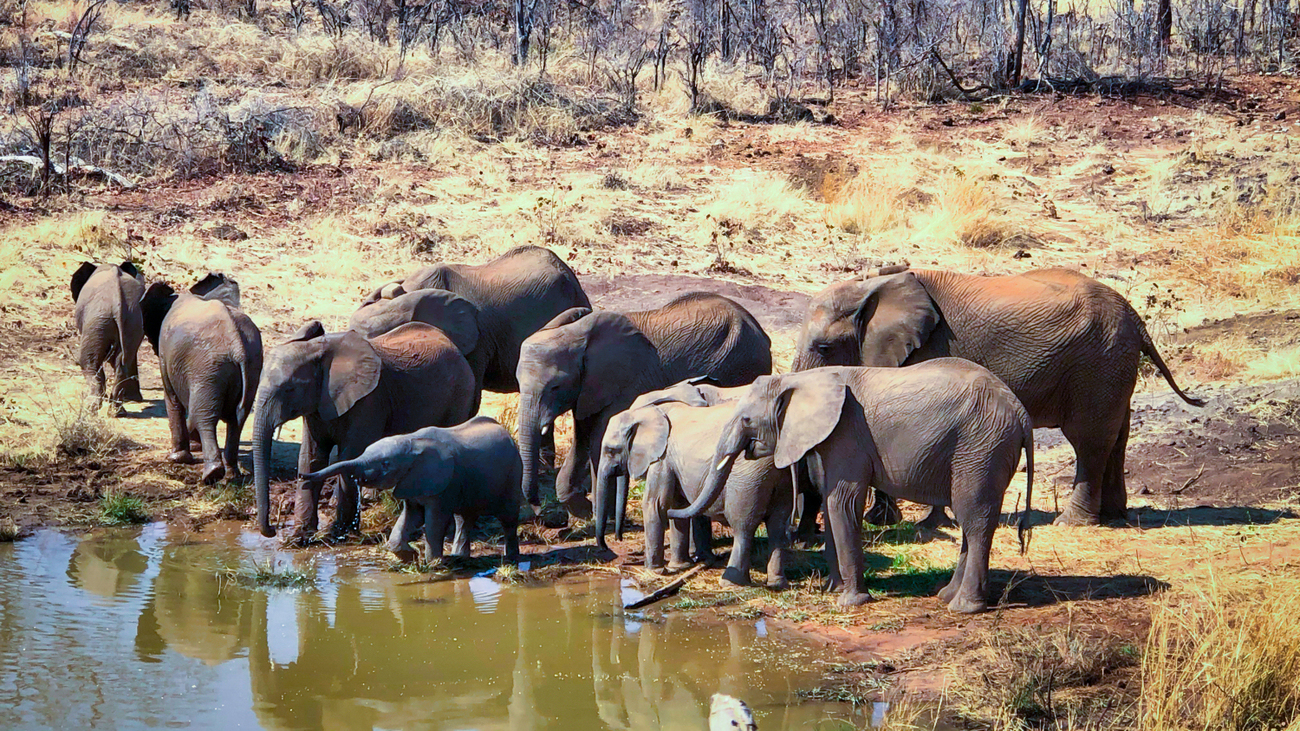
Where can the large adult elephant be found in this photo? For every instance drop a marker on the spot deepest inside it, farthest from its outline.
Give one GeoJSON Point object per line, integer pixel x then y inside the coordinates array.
{"type": "Point", "coordinates": [513, 296]}
{"type": "Point", "coordinates": [352, 392]}
{"type": "Point", "coordinates": [109, 321]}
{"type": "Point", "coordinates": [210, 354]}
{"type": "Point", "coordinates": [1067, 345]}
{"type": "Point", "coordinates": [597, 363]}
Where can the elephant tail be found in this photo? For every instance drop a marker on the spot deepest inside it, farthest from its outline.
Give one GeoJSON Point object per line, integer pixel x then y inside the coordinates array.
{"type": "Point", "coordinates": [1022, 529]}
{"type": "Point", "coordinates": [241, 412]}
{"type": "Point", "coordinates": [1149, 349]}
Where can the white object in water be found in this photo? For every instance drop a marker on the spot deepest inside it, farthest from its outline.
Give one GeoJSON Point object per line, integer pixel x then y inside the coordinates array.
{"type": "Point", "coordinates": [730, 714]}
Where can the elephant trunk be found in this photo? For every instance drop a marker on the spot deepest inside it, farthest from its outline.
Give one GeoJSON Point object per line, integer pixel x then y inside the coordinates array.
{"type": "Point", "coordinates": [712, 487]}
{"type": "Point", "coordinates": [264, 426]}
{"type": "Point", "coordinates": [530, 434]}
{"type": "Point", "coordinates": [620, 505]}
{"type": "Point", "coordinates": [338, 468]}
{"type": "Point", "coordinates": [600, 505]}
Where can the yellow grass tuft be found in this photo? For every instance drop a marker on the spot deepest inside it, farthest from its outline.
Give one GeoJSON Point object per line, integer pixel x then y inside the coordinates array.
{"type": "Point", "coordinates": [963, 212]}
{"type": "Point", "coordinates": [867, 205]}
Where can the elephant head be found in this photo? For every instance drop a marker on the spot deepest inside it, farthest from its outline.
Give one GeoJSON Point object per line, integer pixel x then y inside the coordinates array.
{"type": "Point", "coordinates": [311, 374]}
{"type": "Point", "coordinates": [634, 440]}
{"type": "Point", "coordinates": [582, 361]}
{"type": "Point", "coordinates": [877, 320]}
{"type": "Point", "coordinates": [160, 297]}
{"type": "Point", "coordinates": [698, 391]}
{"type": "Point", "coordinates": [783, 417]}
{"type": "Point", "coordinates": [455, 316]}
{"type": "Point", "coordinates": [388, 463]}
{"type": "Point", "coordinates": [84, 272]}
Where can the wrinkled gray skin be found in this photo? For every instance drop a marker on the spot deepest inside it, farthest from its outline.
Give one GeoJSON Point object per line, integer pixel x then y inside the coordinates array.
{"type": "Point", "coordinates": [672, 446]}
{"type": "Point", "coordinates": [351, 392]}
{"type": "Point", "coordinates": [462, 472]}
{"type": "Point", "coordinates": [703, 391]}
{"type": "Point", "coordinates": [1067, 345]}
{"type": "Point", "coordinates": [946, 433]}
{"type": "Point", "coordinates": [210, 354]}
{"type": "Point", "coordinates": [513, 296]}
{"type": "Point", "coordinates": [108, 319]}
{"type": "Point", "coordinates": [596, 364]}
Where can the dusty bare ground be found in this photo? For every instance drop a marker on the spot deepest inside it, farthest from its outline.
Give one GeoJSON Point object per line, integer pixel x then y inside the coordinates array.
{"type": "Point", "coordinates": [1153, 196]}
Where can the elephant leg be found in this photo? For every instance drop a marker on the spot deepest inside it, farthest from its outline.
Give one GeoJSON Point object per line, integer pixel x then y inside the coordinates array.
{"type": "Point", "coordinates": [510, 524]}
{"type": "Point", "coordinates": [936, 517]}
{"type": "Point", "coordinates": [569, 483]}
{"type": "Point", "coordinates": [1114, 494]}
{"type": "Point", "coordinates": [812, 505]}
{"type": "Point", "coordinates": [949, 591]}
{"type": "Point", "coordinates": [978, 523]}
{"type": "Point", "coordinates": [460, 546]}
{"type": "Point", "coordinates": [213, 469]}
{"type": "Point", "coordinates": [844, 508]}
{"type": "Point", "coordinates": [176, 424]}
{"type": "Point", "coordinates": [778, 538]}
{"type": "Point", "coordinates": [408, 525]}
{"type": "Point", "coordinates": [702, 540]}
{"type": "Point", "coordinates": [884, 509]}
{"type": "Point", "coordinates": [347, 514]}
{"type": "Point", "coordinates": [1092, 453]}
{"type": "Point", "coordinates": [435, 531]}
{"type": "Point", "coordinates": [126, 387]}
{"type": "Point", "coordinates": [742, 548]}
{"type": "Point", "coordinates": [313, 455]}
{"type": "Point", "coordinates": [230, 457]}
{"type": "Point", "coordinates": [655, 516]}
{"type": "Point", "coordinates": [681, 544]}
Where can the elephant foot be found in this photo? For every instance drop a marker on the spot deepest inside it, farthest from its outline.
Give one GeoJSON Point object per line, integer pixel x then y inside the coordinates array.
{"type": "Point", "coordinates": [735, 576]}
{"type": "Point", "coordinates": [947, 593]}
{"type": "Point", "coordinates": [779, 583]}
{"type": "Point", "coordinates": [708, 559]}
{"type": "Point", "coordinates": [404, 554]}
{"type": "Point", "coordinates": [659, 570]}
{"type": "Point", "coordinates": [296, 540]}
{"type": "Point", "coordinates": [884, 511]}
{"type": "Point", "coordinates": [676, 567]}
{"type": "Point", "coordinates": [964, 605]}
{"type": "Point", "coordinates": [212, 474]}
{"type": "Point", "coordinates": [181, 456]}
{"type": "Point", "coordinates": [1072, 516]}
{"type": "Point", "coordinates": [131, 392]}
{"type": "Point", "coordinates": [579, 508]}
{"type": "Point", "coordinates": [936, 518]}
{"type": "Point", "coordinates": [853, 599]}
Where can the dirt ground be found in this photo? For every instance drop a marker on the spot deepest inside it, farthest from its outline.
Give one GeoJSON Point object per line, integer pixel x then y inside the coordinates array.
{"type": "Point", "coordinates": [1145, 194]}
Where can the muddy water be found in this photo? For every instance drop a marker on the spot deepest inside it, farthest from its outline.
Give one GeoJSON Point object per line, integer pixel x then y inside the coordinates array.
{"type": "Point", "coordinates": [139, 629]}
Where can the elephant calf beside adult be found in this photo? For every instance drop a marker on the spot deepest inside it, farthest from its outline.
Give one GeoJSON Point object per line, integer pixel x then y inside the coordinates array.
{"type": "Point", "coordinates": [597, 363]}
{"type": "Point", "coordinates": [210, 354]}
{"type": "Point", "coordinates": [352, 392]}
{"type": "Point", "coordinates": [487, 309]}
{"type": "Point", "coordinates": [1067, 346]}
{"type": "Point", "coordinates": [111, 327]}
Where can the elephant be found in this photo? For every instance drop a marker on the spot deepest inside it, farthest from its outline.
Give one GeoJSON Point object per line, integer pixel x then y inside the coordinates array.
{"type": "Point", "coordinates": [1067, 346]}
{"type": "Point", "coordinates": [463, 471]}
{"type": "Point", "coordinates": [210, 354]}
{"type": "Point", "coordinates": [109, 321]}
{"type": "Point", "coordinates": [597, 363]}
{"type": "Point", "coordinates": [351, 392]}
{"type": "Point", "coordinates": [512, 296]}
{"type": "Point", "coordinates": [945, 432]}
{"type": "Point", "coordinates": [671, 444]}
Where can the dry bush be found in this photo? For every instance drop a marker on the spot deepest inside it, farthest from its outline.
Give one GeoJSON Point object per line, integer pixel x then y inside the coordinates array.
{"type": "Point", "coordinates": [1224, 655]}
{"type": "Point", "coordinates": [867, 205]}
{"type": "Point", "coordinates": [962, 211]}
{"type": "Point", "coordinates": [80, 432]}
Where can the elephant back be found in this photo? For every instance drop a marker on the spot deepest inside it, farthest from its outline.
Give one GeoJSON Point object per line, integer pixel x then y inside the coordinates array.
{"type": "Point", "coordinates": [705, 334]}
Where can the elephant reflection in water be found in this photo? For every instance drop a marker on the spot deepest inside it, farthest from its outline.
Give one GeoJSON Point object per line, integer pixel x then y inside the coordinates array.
{"type": "Point", "coordinates": [108, 567]}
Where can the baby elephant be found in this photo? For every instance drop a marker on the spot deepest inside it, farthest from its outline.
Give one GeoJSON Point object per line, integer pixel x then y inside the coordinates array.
{"type": "Point", "coordinates": [210, 354]}
{"type": "Point", "coordinates": [944, 432]}
{"type": "Point", "coordinates": [108, 320]}
{"type": "Point", "coordinates": [672, 444]}
{"type": "Point", "coordinates": [459, 472]}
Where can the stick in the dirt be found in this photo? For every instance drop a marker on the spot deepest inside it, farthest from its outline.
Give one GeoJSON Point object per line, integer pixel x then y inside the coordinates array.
{"type": "Point", "coordinates": [664, 591]}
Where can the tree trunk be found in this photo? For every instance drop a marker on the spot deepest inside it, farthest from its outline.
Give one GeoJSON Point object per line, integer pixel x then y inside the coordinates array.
{"type": "Point", "coordinates": [1022, 11]}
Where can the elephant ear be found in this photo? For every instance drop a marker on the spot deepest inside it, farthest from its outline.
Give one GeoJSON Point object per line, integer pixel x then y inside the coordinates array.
{"type": "Point", "coordinates": [430, 476]}
{"type": "Point", "coordinates": [351, 368]}
{"type": "Point", "coordinates": [154, 306]}
{"type": "Point", "coordinates": [894, 318]}
{"type": "Point", "coordinates": [807, 410]}
{"type": "Point", "coordinates": [455, 316]}
{"type": "Point", "coordinates": [649, 440]}
{"type": "Point", "coordinates": [616, 353]}
{"type": "Point", "coordinates": [437, 276]}
{"type": "Point", "coordinates": [219, 287]}
{"type": "Point", "coordinates": [310, 331]}
{"type": "Point", "coordinates": [80, 277]}
{"type": "Point", "coordinates": [568, 317]}
{"type": "Point", "coordinates": [131, 270]}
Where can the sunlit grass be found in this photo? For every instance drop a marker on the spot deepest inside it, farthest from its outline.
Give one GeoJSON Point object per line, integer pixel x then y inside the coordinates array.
{"type": "Point", "coordinates": [121, 508]}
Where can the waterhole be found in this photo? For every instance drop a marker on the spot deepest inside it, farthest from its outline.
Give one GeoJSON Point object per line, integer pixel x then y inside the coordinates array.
{"type": "Point", "coordinates": [147, 628]}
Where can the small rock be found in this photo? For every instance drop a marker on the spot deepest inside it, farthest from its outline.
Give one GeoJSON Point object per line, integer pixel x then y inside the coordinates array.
{"type": "Point", "coordinates": [226, 232]}
{"type": "Point", "coordinates": [1021, 254]}
{"type": "Point", "coordinates": [1279, 116]}
{"type": "Point", "coordinates": [1108, 169]}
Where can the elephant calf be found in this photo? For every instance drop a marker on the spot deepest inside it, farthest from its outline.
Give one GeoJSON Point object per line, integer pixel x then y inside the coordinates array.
{"type": "Point", "coordinates": [946, 432]}
{"type": "Point", "coordinates": [210, 354]}
{"type": "Point", "coordinates": [111, 327]}
{"type": "Point", "coordinates": [439, 474]}
{"type": "Point", "coordinates": [672, 445]}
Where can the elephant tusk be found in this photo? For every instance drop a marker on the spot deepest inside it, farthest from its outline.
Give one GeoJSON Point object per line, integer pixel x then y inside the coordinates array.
{"type": "Point", "coordinates": [546, 429]}
{"type": "Point", "coordinates": [722, 463]}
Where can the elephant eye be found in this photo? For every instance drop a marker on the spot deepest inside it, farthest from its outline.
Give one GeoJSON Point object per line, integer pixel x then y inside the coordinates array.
{"type": "Point", "coordinates": [823, 348]}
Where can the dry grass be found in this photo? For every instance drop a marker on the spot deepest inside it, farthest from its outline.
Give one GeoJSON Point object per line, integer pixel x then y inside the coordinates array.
{"type": "Point", "coordinates": [1224, 654]}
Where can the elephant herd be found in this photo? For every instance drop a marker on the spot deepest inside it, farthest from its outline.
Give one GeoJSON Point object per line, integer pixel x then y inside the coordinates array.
{"type": "Point", "coordinates": [907, 384]}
